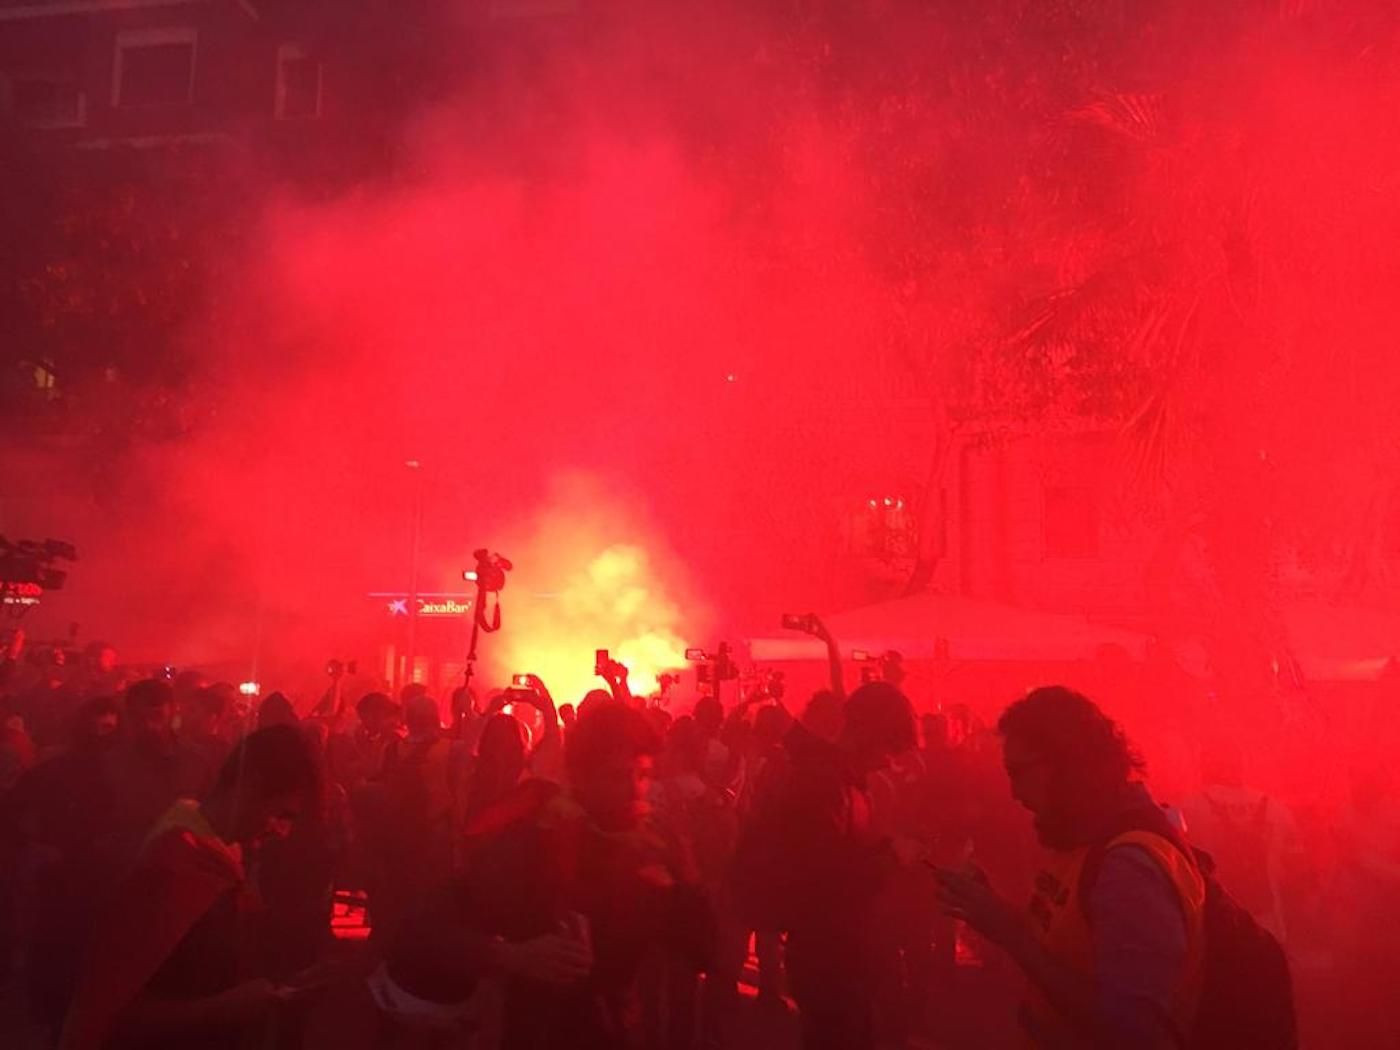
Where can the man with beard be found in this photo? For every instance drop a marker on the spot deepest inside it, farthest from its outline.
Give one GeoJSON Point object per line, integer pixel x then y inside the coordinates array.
{"type": "Point", "coordinates": [148, 769]}
{"type": "Point", "coordinates": [1113, 946]}
{"type": "Point", "coordinates": [570, 890]}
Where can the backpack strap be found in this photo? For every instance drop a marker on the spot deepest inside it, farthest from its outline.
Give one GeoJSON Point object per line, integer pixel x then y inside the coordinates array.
{"type": "Point", "coordinates": [1136, 825]}
{"type": "Point", "coordinates": [1147, 819]}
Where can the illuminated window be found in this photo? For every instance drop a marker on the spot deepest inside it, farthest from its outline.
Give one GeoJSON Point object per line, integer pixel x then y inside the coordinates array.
{"type": "Point", "coordinates": [298, 84]}
{"type": "Point", "coordinates": [44, 378]}
{"type": "Point", "coordinates": [154, 67]}
{"type": "Point", "coordinates": [1070, 522]}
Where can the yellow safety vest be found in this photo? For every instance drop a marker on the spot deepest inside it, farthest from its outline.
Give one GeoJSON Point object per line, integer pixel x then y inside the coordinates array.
{"type": "Point", "coordinates": [1059, 922]}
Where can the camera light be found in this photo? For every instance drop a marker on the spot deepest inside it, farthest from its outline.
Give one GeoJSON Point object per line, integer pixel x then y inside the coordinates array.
{"type": "Point", "coordinates": [250, 688]}
{"type": "Point", "coordinates": [469, 575]}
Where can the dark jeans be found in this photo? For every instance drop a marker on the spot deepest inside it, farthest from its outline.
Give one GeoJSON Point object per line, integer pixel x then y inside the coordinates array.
{"type": "Point", "coordinates": [829, 976]}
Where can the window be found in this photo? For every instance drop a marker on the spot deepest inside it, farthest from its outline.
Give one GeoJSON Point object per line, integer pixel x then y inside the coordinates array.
{"type": "Point", "coordinates": [298, 84]}
{"type": "Point", "coordinates": [42, 101]}
{"type": "Point", "coordinates": [1071, 522]}
{"type": "Point", "coordinates": [154, 67]}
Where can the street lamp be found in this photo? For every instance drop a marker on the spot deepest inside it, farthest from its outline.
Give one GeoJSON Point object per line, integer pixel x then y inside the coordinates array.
{"type": "Point", "coordinates": [417, 468]}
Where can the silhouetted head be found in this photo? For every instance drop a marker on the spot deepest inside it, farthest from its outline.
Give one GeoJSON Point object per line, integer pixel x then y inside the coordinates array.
{"type": "Point", "coordinates": [892, 668]}
{"type": "Point", "coordinates": [500, 761]}
{"type": "Point", "coordinates": [97, 720]}
{"type": "Point", "coordinates": [411, 691]}
{"type": "Point", "coordinates": [594, 698]}
{"type": "Point", "coordinates": [1067, 761]}
{"type": "Point", "coordinates": [187, 685]}
{"type": "Point", "coordinates": [610, 758]}
{"type": "Point", "coordinates": [150, 707]}
{"type": "Point", "coordinates": [685, 747]}
{"type": "Point", "coordinates": [769, 725]}
{"type": "Point", "coordinates": [264, 785]}
{"type": "Point", "coordinates": [879, 724]}
{"type": "Point", "coordinates": [203, 713]}
{"type": "Point", "coordinates": [502, 741]}
{"type": "Point", "coordinates": [276, 710]}
{"type": "Point", "coordinates": [823, 714]}
{"type": "Point", "coordinates": [421, 716]}
{"type": "Point", "coordinates": [463, 705]}
{"type": "Point", "coordinates": [708, 715]}
{"type": "Point", "coordinates": [377, 713]}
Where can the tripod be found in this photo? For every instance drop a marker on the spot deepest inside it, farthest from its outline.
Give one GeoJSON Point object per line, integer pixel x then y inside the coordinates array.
{"type": "Point", "coordinates": [479, 624]}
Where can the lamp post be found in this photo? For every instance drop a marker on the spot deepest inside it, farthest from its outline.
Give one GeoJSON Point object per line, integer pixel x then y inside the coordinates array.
{"type": "Point", "coordinates": [417, 468]}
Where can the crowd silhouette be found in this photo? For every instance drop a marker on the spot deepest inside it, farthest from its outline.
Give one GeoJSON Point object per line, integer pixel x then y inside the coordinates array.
{"type": "Point", "coordinates": [181, 860]}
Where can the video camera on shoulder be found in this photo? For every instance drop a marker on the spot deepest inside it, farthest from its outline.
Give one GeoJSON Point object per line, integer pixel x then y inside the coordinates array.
{"type": "Point", "coordinates": [712, 669]}
{"type": "Point", "coordinates": [804, 622]}
{"type": "Point", "coordinates": [490, 572]}
{"type": "Point", "coordinates": [869, 667]}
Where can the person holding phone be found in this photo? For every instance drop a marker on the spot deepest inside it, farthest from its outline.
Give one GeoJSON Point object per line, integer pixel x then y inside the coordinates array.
{"type": "Point", "coordinates": [166, 964]}
{"type": "Point", "coordinates": [1112, 945]}
{"type": "Point", "coordinates": [571, 889]}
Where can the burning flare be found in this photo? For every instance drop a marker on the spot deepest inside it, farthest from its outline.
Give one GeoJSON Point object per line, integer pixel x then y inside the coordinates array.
{"type": "Point", "coordinates": [613, 599]}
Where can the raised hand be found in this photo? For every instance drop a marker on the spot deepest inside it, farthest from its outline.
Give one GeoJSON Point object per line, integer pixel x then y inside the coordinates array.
{"type": "Point", "coordinates": [540, 690]}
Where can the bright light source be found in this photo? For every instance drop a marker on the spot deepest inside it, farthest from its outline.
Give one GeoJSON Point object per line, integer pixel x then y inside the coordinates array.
{"type": "Point", "coordinates": [730, 377]}
{"type": "Point", "coordinates": [469, 575]}
{"type": "Point", "coordinates": [250, 689]}
{"type": "Point", "coordinates": [609, 595]}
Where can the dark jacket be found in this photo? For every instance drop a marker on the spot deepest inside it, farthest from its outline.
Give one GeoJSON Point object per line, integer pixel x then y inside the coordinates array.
{"type": "Point", "coordinates": [539, 862]}
{"type": "Point", "coordinates": [808, 859]}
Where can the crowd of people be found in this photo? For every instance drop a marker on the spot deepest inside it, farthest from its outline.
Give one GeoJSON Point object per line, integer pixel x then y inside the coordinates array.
{"type": "Point", "coordinates": [614, 873]}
